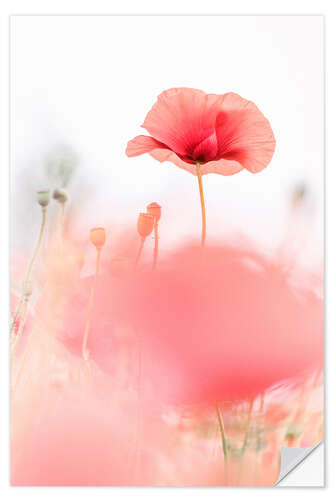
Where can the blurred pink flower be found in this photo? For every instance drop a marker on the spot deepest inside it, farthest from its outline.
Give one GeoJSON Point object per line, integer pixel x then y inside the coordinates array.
{"type": "Point", "coordinates": [225, 328]}
{"type": "Point", "coordinates": [225, 133]}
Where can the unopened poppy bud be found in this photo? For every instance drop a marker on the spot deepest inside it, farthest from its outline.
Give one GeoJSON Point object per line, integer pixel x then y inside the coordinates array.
{"type": "Point", "coordinates": [60, 195]}
{"type": "Point", "coordinates": [43, 197]}
{"type": "Point", "coordinates": [97, 236]}
{"type": "Point", "coordinates": [145, 224]}
{"type": "Point", "coordinates": [155, 210]}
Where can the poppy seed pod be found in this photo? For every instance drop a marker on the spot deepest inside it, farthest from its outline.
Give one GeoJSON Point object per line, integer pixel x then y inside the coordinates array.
{"type": "Point", "coordinates": [60, 195]}
{"type": "Point", "coordinates": [155, 210]}
{"type": "Point", "coordinates": [97, 236]}
{"type": "Point", "coordinates": [145, 224]}
{"type": "Point", "coordinates": [43, 197]}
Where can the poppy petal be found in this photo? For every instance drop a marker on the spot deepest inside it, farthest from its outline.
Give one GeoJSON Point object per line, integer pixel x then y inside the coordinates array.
{"type": "Point", "coordinates": [221, 167]}
{"type": "Point", "coordinates": [145, 144]}
{"type": "Point", "coordinates": [182, 118]}
{"type": "Point", "coordinates": [142, 144]}
{"type": "Point", "coordinates": [167, 155]}
{"type": "Point", "coordinates": [243, 133]}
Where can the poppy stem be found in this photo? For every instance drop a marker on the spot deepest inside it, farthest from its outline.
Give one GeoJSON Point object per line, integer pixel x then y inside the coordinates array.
{"type": "Point", "coordinates": [247, 427]}
{"type": "Point", "coordinates": [138, 255]}
{"type": "Point", "coordinates": [27, 276]}
{"type": "Point", "coordinates": [85, 352]}
{"type": "Point", "coordinates": [18, 336]}
{"type": "Point", "coordinates": [156, 243]}
{"type": "Point", "coordinates": [222, 431]}
{"type": "Point", "coordinates": [203, 209]}
{"type": "Point", "coordinates": [20, 330]}
{"type": "Point", "coordinates": [61, 223]}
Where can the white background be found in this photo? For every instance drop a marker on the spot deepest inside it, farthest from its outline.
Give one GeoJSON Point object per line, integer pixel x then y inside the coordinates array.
{"type": "Point", "coordinates": [89, 81]}
{"type": "Point", "coordinates": [257, 7]}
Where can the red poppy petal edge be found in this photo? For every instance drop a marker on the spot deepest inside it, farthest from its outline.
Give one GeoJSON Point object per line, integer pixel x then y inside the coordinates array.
{"type": "Point", "coordinates": [142, 144]}
{"type": "Point", "coordinates": [221, 167]}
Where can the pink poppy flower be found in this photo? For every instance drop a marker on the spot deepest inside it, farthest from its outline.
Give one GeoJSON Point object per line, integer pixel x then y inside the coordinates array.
{"type": "Point", "coordinates": [225, 133]}
{"type": "Point", "coordinates": [205, 134]}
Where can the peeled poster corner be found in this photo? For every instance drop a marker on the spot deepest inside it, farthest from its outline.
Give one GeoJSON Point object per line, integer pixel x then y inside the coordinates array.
{"type": "Point", "coordinates": [167, 322]}
{"type": "Point", "coordinates": [294, 457]}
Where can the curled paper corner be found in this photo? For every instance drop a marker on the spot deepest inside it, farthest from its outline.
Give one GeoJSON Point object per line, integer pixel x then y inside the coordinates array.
{"type": "Point", "coordinates": [291, 458]}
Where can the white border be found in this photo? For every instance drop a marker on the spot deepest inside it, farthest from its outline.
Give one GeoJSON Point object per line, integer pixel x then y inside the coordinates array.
{"type": "Point", "coordinates": [66, 7]}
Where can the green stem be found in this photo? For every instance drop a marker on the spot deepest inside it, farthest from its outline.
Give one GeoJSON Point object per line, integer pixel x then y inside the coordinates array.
{"type": "Point", "coordinates": [27, 276]}
{"type": "Point", "coordinates": [222, 432]}
{"type": "Point", "coordinates": [62, 224]}
{"type": "Point", "coordinates": [156, 244]}
{"type": "Point", "coordinates": [203, 209]}
{"type": "Point", "coordinates": [85, 352]}
{"type": "Point", "coordinates": [247, 428]}
{"type": "Point", "coordinates": [224, 441]}
{"type": "Point", "coordinates": [20, 330]}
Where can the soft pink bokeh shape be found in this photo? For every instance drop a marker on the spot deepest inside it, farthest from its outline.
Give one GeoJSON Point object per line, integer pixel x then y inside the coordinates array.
{"type": "Point", "coordinates": [79, 443]}
{"type": "Point", "coordinates": [225, 133]}
{"type": "Point", "coordinates": [103, 339]}
{"type": "Point", "coordinates": [224, 327]}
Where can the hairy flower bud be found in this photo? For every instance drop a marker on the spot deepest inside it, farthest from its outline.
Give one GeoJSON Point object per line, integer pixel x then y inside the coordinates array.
{"type": "Point", "coordinates": [145, 224]}
{"type": "Point", "coordinates": [43, 197]}
{"type": "Point", "coordinates": [60, 195]}
{"type": "Point", "coordinates": [97, 236]}
{"type": "Point", "coordinates": [155, 210]}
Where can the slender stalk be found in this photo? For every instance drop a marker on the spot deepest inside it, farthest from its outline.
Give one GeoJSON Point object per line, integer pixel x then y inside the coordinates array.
{"type": "Point", "coordinates": [223, 439]}
{"type": "Point", "coordinates": [62, 214]}
{"type": "Point", "coordinates": [203, 209]}
{"type": "Point", "coordinates": [28, 273]}
{"type": "Point", "coordinates": [85, 352]}
{"type": "Point", "coordinates": [260, 420]}
{"type": "Point", "coordinates": [222, 432]}
{"type": "Point", "coordinates": [259, 426]}
{"type": "Point", "coordinates": [247, 428]}
{"type": "Point", "coordinates": [156, 244]}
{"type": "Point", "coordinates": [138, 255]}
{"type": "Point", "coordinates": [61, 224]}
{"type": "Point", "coordinates": [20, 330]}
{"type": "Point", "coordinates": [245, 443]}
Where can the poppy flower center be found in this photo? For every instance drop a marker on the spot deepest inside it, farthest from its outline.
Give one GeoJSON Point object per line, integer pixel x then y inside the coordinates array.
{"type": "Point", "coordinates": [206, 150]}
